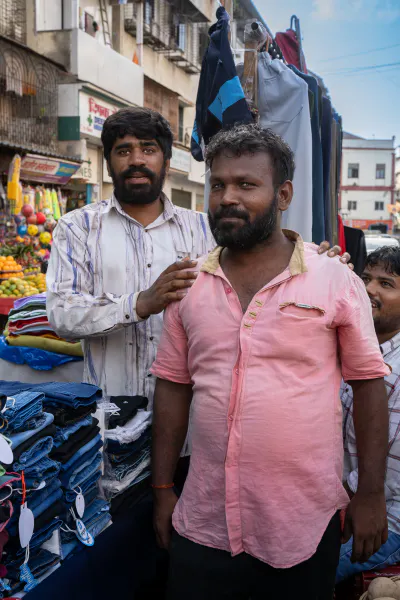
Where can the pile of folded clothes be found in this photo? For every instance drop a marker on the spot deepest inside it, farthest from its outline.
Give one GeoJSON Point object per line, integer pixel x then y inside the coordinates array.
{"type": "Point", "coordinates": [31, 432]}
{"type": "Point", "coordinates": [57, 455]}
{"type": "Point", "coordinates": [128, 450]}
{"type": "Point", "coordinates": [29, 338]}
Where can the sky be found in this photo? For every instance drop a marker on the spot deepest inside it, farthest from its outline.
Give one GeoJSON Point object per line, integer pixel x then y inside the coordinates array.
{"type": "Point", "coordinates": [344, 41]}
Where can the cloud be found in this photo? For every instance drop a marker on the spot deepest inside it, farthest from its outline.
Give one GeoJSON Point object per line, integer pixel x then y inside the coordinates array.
{"type": "Point", "coordinates": [361, 10]}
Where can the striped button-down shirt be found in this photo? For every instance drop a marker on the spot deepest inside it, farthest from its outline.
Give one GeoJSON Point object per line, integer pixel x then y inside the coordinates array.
{"type": "Point", "coordinates": [391, 354]}
{"type": "Point", "coordinates": [101, 260]}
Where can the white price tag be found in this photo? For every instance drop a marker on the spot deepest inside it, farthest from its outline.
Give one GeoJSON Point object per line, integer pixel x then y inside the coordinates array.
{"type": "Point", "coordinates": [80, 505]}
{"type": "Point", "coordinates": [26, 525]}
{"type": "Point", "coordinates": [6, 454]}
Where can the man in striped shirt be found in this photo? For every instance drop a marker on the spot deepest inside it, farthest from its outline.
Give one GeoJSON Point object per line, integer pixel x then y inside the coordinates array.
{"type": "Point", "coordinates": [116, 264]}
{"type": "Point", "coordinates": [382, 280]}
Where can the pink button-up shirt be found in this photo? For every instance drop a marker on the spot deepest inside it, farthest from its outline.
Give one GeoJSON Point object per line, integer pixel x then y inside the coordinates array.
{"type": "Point", "coordinates": [266, 418]}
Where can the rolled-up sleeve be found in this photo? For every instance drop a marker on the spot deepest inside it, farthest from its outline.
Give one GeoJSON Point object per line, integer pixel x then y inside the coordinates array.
{"type": "Point", "coordinates": [72, 308]}
{"type": "Point", "coordinates": [172, 355]}
{"type": "Point", "coordinates": [360, 354]}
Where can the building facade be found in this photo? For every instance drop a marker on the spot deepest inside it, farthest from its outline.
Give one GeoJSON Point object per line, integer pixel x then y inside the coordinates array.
{"type": "Point", "coordinates": [367, 192]}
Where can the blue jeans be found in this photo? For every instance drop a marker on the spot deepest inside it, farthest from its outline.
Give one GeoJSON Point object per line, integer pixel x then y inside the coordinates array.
{"type": "Point", "coordinates": [93, 513]}
{"type": "Point", "coordinates": [20, 408]}
{"type": "Point", "coordinates": [63, 433]}
{"type": "Point", "coordinates": [74, 478]}
{"type": "Point", "coordinates": [17, 438]}
{"type": "Point", "coordinates": [57, 394]}
{"type": "Point", "coordinates": [44, 470]}
{"type": "Point", "coordinates": [41, 536]}
{"type": "Point", "coordinates": [387, 555]}
{"type": "Point", "coordinates": [85, 486]}
{"type": "Point", "coordinates": [80, 454]}
{"type": "Point", "coordinates": [35, 453]}
{"type": "Point", "coordinates": [122, 470]}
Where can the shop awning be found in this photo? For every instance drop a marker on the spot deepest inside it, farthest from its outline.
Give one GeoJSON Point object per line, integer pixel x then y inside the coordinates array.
{"type": "Point", "coordinates": [47, 169]}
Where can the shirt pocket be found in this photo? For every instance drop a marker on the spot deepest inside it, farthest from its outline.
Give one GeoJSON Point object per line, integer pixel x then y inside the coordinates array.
{"type": "Point", "coordinates": [299, 311]}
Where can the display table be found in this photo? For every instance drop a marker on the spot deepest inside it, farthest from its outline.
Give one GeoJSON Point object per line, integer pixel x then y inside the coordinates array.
{"type": "Point", "coordinates": [6, 304]}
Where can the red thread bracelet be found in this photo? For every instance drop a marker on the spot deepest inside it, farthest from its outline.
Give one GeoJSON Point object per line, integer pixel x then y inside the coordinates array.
{"type": "Point", "coordinates": [166, 486]}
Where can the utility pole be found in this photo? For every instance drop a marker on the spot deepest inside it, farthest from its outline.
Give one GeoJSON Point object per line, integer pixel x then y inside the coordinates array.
{"type": "Point", "coordinates": [139, 31]}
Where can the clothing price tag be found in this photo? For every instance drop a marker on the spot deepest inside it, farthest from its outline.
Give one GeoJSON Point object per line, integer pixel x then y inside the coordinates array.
{"type": "Point", "coordinates": [6, 454]}
{"type": "Point", "coordinates": [80, 505]}
{"type": "Point", "coordinates": [83, 535]}
{"type": "Point", "coordinates": [26, 525]}
{"type": "Point", "coordinates": [41, 485]}
{"type": "Point", "coordinates": [110, 407]}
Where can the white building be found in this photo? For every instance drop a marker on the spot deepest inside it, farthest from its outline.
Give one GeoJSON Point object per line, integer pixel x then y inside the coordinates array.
{"type": "Point", "coordinates": [367, 192]}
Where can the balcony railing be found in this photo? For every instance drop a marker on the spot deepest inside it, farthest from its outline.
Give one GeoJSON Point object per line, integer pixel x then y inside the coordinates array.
{"type": "Point", "coordinates": [28, 100]}
{"type": "Point", "coordinates": [182, 40]}
{"type": "Point", "coordinates": [13, 20]}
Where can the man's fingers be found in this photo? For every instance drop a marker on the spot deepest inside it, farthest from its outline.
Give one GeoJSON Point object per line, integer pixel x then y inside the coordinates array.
{"type": "Point", "coordinates": [358, 549]}
{"type": "Point", "coordinates": [345, 258]}
{"type": "Point", "coordinates": [323, 247]}
{"type": "Point", "coordinates": [385, 534]}
{"type": "Point", "coordinates": [335, 251]}
{"type": "Point", "coordinates": [174, 296]}
{"type": "Point", "coordinates": [178, 284]}
{"type": "Point", "coordinates": [368, 550]}
{"type": "Point", "coordinates": [377, 542]}
{"type": "Point", "coordinates": [347, 530]}
{"type": "Point", "coordinates": [180, 275]}
{"type": "Point", "coordinates": [180, 265]}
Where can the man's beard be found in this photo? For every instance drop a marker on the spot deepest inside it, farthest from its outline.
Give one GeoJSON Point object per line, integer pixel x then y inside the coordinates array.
{"type": "Point", "coordinates": [142, 193]}
{"type": "Point", "coordinates": [250, 234]}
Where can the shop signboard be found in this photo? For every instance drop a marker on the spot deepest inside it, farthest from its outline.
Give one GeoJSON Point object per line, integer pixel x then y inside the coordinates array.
{"type": "Point", "coordinates": [88, 171]}
{"type": "Point", "coordinates": [47, 170]}
{"type": "Point", "coordinates": [93, 112]}
{"type": "Point", "coordinates": [180, 160]}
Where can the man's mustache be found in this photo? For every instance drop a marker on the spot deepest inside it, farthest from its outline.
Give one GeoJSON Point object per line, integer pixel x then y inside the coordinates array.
{"type": "Point", "coordinates": [230, 212]}
{"type": "Point", "coordinates": [134, 171]}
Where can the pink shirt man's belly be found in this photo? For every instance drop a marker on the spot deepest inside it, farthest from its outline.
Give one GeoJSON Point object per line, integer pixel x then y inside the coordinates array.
{"type": "Point", "coordinates": [266, 467]}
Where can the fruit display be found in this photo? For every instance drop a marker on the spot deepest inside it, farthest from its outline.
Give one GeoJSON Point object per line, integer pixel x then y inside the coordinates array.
{"type": "Point", "coordinates": [16, 287]}
{"type": "Point", "coordinates": [9, 267]}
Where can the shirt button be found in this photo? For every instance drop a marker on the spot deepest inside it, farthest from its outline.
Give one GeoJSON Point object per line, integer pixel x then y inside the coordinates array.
{"type": "Point", "coordinates": [228, 290]}
{"type": "Point", "coordinates": [237, 371]}
{"type": "Point", "coordinates": [149, 265]}
{"type": "Point", "coordinates": [231, 417]}
{"type": "Point", "coordinates": [151, 338]}
{"type": "Point", "coordinates": [149, 375]}
{"type": "Point", "coordinates": [127, 317]}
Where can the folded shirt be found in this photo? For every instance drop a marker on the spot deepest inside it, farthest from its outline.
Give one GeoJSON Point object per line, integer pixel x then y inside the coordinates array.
{"type": "Point", "coordinates": [128, 407]}
{"type": "Point", "coordinates": [125, 453]}
{"type": "Point", "coordinates": [45, 343]}
{"type": "Point", "coordinates": [132, 430]}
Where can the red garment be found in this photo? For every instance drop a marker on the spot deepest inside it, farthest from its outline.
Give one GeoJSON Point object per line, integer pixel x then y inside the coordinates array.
{"type": "Point", "coordinates": [287, 42]}
{"type": "Point", "coordinates": [341, 238]}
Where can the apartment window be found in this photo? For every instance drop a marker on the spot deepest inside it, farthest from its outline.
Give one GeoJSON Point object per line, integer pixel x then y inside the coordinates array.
{"type": "Point", "coordinates": [181, 127]}
{"type": "Point", "coordinates": [380, 171]}
{"type": "Point", "coordinates": [181, 37]}
{"type": "Point", "coordinates": [353, 171]}
{"type": "Point", "coordinates": [379, 205]}
{"type": "Point", "coordinates": [352, 205]}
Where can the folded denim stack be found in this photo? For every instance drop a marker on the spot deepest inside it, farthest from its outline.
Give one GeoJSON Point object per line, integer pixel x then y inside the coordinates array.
{"type": "Point", "coordinates": [29, 338]}
{"type": "Point", "coordinates": [31, 432]}
{"type": "Point", "coordinates": [78, 449]}
{"type": "Point", "coordinates": [128, 450]}
{"type": "Point", "coordinates": [59, 453]}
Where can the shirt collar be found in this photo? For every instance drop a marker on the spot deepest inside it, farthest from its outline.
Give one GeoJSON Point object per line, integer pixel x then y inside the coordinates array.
{"type": "Point", "coordinates": [390, 345]}
{"type": "Point", "coordinates": [168, 213]}
{"type": "Point", "coordinates": [297, 264]}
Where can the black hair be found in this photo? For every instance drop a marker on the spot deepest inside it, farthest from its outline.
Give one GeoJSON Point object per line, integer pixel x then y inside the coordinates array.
{"type": "Point", "coordinates": [251, 139]}
{"type": "Point", "coordinates": [388, 257]}
{"type": "Point", "coordinates": [143, 123]}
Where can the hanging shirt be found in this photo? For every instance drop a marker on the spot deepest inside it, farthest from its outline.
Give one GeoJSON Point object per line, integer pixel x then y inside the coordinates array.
{"type": "Point", "coordinates": [101, 260]}
{"type": "Point", "coordinates": [289, 45]}
{"type": "Point", "coordinates": [220, 97]}
{"type": "Point", "coordinates": [391, 354]}
{"type": "Point", "coordinates": [284, 107]}
{"type": "Point", "coordinates": [266, 418]}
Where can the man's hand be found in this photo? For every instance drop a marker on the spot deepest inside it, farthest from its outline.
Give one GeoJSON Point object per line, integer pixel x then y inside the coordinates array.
{"type": "Point", "coordinates": [366, 521]}
{"type": "Point", "coordinates": [169, 287]}
{"type": "Point", "coordinates": [164, 505]}
{"type": "Point", "coordinates": [335, 251]}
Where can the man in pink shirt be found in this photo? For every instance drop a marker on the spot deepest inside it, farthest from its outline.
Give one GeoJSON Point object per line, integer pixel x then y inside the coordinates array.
{"type": "Point", "coordinates": [255, 353]}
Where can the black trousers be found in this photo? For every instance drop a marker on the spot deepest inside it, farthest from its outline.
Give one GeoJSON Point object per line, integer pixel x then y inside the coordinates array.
{"type": "Point", "coordinates": [201, 573]}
